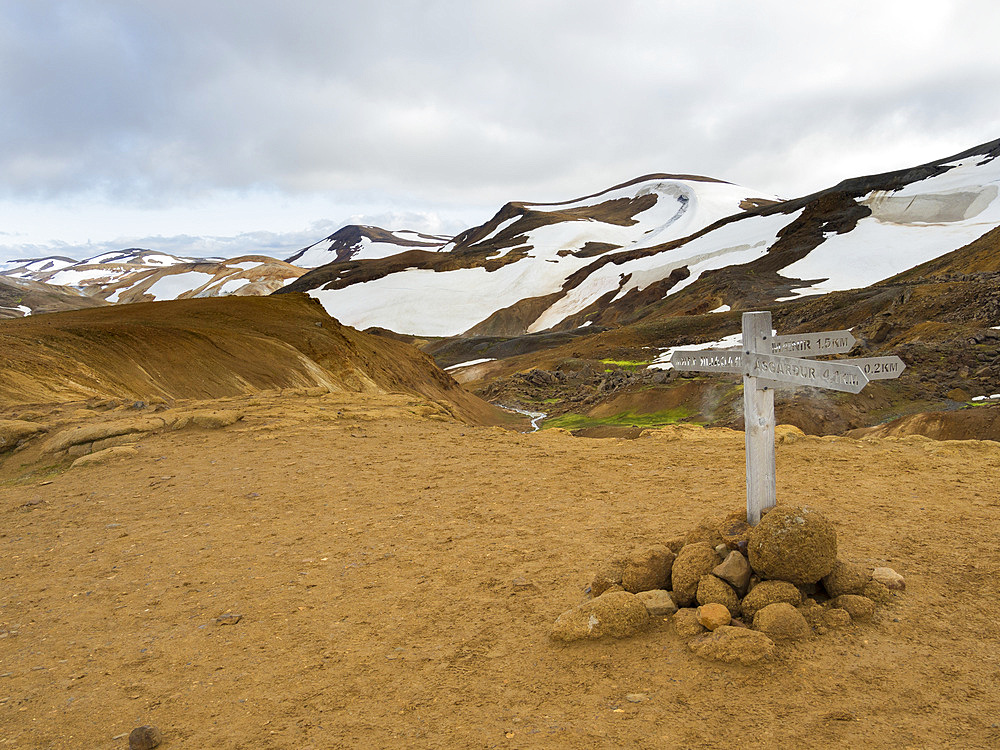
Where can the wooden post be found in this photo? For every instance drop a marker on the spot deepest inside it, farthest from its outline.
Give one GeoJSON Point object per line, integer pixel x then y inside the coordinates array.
{"type": "Point", "coordinates": [758, 419]}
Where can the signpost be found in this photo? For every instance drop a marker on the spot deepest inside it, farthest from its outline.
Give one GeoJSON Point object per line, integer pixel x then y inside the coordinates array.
{"type": "Point", "coordinates": [767, 361]}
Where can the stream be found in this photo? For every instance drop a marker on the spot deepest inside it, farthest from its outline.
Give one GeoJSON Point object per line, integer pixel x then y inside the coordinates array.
{"type": "Point", "coordinates": [536, 416]}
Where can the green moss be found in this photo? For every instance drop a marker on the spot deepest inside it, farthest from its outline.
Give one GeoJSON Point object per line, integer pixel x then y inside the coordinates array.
{"type": "Point", "coordinates": [623, 419]}
{"type": "Point", "coordinates": [626, 363]}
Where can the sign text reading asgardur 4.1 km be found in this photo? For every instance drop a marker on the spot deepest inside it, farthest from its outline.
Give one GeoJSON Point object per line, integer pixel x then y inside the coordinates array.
{"type": "Point", "coordinates": [767, 361]}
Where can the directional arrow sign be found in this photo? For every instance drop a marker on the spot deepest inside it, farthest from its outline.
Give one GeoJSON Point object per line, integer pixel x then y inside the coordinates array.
{"type": "Point", "coordinates": [835, 376]}
{"type": "Point", "coordinates": [709, 360]}
{"type": "Point", "coordinates": [813, 344]}
{"type": "Point", "coordinates": [877, 368]}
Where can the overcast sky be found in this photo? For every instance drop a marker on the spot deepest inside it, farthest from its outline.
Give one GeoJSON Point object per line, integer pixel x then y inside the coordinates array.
{"type": "Point", "coordinates": [216, 126]}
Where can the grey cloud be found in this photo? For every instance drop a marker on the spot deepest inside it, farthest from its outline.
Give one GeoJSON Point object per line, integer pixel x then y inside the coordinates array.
{"type": "Point", "coordinates": [488, 102]}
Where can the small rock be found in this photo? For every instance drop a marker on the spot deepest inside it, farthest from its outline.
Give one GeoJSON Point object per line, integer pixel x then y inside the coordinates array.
{"type": "Point", "coordinates": [608, 576]}
{"type": "Point", "coordinates": [734, 570]}
{"type": "Point", "coordinates": [846, 578]}
{"type": "Point", "coordinates": [104, 456]}
{"type": "Point", "coordinates": [877, 592]}
{"type": "Point", "coordinates": [715, 590]}
{"type": "Point", "coordinates": [781, 621]}
{"type": "Point", "coordinates": [769, 592]}
{"type": "Point", "coordinates": [144, 738]}
{"type": "Point", "coordinates": [658, 602]}
{"type": "Point", "coordinates": [227, 619]}
{"type": "Point", "coordinates": [714, 615]}
{"type": "Point", "coordinates": [693, 562]}
{"type": "Point", "coordinates": [648, 569]}
{"type": "Point", "coordinates": [729, 644]}
{"type": "Point", "coordinates": [860, 608]}
{"type": "Point", "coordinates": [617, 614]}
{"type": "Point", "coordinates": [889, 578]}
{"type": "Point", "coordinates": [686, 622]}
{"type": "Point", "coordinates": [636, 697]}
{"type": "Point", "coordinates": [721, 550]}
{"type": "Point", "coordinates": [836, 618]}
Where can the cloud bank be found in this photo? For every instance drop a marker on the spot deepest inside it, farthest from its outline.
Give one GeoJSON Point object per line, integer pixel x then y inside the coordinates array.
{"type": "Point", "coordinates": [155, 104]}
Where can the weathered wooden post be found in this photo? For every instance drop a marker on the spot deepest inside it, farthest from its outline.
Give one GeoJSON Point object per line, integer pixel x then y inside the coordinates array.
{"type": "Point", "coordinates": [758, 419]}
{"type": "Point", "coordinates": [767, 361]}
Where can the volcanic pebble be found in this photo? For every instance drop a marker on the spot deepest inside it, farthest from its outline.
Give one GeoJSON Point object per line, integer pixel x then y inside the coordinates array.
{"type": "Point", "coordinates": [781, 621]}
{"type": "Point", "coordinates": [877, 592]}
{"type": "Point", "coordinates": [769, 592]}
{"type": "Point", "coordinates": [731, 644]}
{"type": "Point", "coordinates": [860, 608]}
{"type": "Point", "coordinates": [686, 622]}
{"type": "Point", "coordinates": [657, 602]}
{"type": "Point", "coordinates": [715, 590]}
{"type": "Point", "coordinates": [617, 614]}
{"type": "Point", "coordinates": [793, 543]}
{"type": "Point", "coordinates": [713, 615]}
{"type": "Point", "coordinates": [889, 578]}
{"type": "Point", "coordinates": [734, 570]}
{"type": "Point", "coordinates": [693, 562]}
{"type": "Point", "coordinates": [144, 738]}
{"type": "Point", "coordinates": [846, 578]}
{"type": "Point", "coordinates": [647, 570]}
{"type": "Point", "coordinates": [608, 576]}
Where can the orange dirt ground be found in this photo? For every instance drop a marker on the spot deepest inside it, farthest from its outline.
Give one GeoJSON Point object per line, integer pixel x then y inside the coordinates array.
{"type": "Point", "coordinates": [397, 574]}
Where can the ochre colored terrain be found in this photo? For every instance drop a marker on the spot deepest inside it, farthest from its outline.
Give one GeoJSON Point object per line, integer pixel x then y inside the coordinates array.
{"type": "Point", "coordinates": [357, 570]}
{"type": "Point", "coordinates": [210, 348]}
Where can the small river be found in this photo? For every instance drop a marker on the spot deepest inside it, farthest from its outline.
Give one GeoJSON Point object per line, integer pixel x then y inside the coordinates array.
{"type": "Point", "coordinates": [535, 416]}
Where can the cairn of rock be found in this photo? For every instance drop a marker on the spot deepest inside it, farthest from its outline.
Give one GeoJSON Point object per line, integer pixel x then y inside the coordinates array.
{"type": "Point", "coordinates": [732, 590]}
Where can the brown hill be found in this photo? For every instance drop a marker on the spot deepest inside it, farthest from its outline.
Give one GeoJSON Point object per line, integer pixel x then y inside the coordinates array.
{"type": "Point", "coordinates": [212, 348]}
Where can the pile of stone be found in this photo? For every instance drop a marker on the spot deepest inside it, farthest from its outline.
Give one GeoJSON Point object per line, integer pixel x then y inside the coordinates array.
{"type": "Point", "coordinates": [732, 590]}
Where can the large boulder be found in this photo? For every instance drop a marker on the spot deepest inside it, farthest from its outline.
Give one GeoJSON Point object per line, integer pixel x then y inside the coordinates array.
{"type": "Point", "coordinates": [712, 590]}
{"type": "Point", "coordinates": [693, 562]}
{"type": "Point", "coordinates": [648, 570]}
{"type": "Point", "coordinates": [793, 543]}
{"type": "Point", "coordinates": [769, 592]}
{"type": "Point", "coordinates": [616, 614]}
{"type": "Point", "coordinates": [781, 621]}
{"type": "Point", "coordinates": [731, 644]}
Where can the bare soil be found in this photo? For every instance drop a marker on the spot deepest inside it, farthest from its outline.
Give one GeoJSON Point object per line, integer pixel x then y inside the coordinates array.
{"type": "Point", "coordinates": [395, 574]}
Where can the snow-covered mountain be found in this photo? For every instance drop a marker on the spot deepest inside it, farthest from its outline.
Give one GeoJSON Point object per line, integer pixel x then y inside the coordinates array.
{"type": "Point", "coordinates": [693, 243]}
{"type": "Point", "coordinates": [355, 242]}
{"type": "Point", "coordinates": [527, 251]}
{"type": "Point", "coordinates": [137, 275]}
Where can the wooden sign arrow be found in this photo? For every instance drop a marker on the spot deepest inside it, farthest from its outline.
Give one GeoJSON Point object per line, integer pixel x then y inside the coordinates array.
{"type": "Point", "coordinates": [709, 360]}
{"type": "Point", "coordinates": [835, 376]}
{"type": "Point", "coordinates": [813, 344]}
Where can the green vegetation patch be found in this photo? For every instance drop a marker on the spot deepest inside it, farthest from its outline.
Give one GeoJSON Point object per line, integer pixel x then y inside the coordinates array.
{"type": "Point", "coordinates": [622, 419]}
{"type": "Point", "coordinates": [626, 363]}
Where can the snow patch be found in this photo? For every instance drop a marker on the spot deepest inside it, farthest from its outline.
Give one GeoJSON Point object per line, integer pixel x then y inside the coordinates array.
{"type": "Point", "coordinates": [470, 363]}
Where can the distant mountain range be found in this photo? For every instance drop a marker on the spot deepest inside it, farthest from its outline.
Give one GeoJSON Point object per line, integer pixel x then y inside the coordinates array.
{"type": "Point", "coordinates": [659, 244]}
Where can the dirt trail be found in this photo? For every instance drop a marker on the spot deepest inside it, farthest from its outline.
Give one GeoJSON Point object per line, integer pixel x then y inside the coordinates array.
{"type": "Point", "coordinates": [397, 573]}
